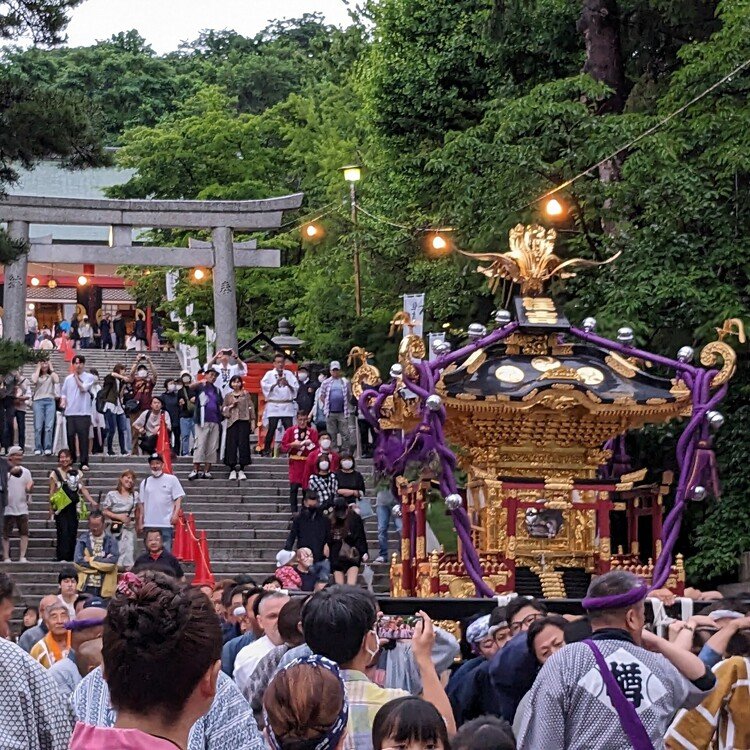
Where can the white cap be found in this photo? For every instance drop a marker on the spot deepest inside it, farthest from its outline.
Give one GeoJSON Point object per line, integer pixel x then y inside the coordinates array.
{"type": "Point", "coordinates": [15, 450]}
{"type": "Point", "coordinates": [335, 365]}
{"type": "Point", "coordinates": [284, 557]}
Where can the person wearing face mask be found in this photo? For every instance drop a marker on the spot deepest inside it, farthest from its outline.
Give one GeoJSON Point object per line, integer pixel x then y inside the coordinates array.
{"type": "Point", "coordinates": [143, 377]}
{"type": "Point", "coordinates": [351, 483]}
{"type": "Point", "coordinates": [325, 448]}
{"type": "Point", "coordinates": [221, 363]}
{"type": "Point", "coordinates": [239, 412]}
{"type": "Point", "coordinates": [335, 396]}
{"type": "Point", "coordinates": [298, 443]}
{"type": "Point", "coordinates": [170, 400]}
{"type": "Point", "coordinates": [309, 532]}
{"type": "Point", "coordinates": [305, 397]}
{"type": "Point", "coordinates": [186, 406]}
{"type": "Point", "coordinates": [339, 623]}
{"type": "Point", "coordinates": [324, 482]}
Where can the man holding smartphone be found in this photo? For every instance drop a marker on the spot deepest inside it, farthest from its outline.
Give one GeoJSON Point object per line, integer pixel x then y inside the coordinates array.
{"type": "Point", "coordinates": [279, 388]}
{"type": "Point", "coordinates": [221, 363]}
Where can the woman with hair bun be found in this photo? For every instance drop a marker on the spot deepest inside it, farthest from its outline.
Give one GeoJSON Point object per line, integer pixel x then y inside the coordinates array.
{"type": "Point", "coordinates": [161, 653]}
{"type": "Point", "coordinates": [305, 706]}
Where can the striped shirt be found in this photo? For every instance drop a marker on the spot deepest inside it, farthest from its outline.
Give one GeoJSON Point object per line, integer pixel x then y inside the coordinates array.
{"type": "Point", "coordinates": [365, 699]}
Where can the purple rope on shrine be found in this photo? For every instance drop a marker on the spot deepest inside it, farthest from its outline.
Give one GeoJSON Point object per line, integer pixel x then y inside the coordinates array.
{"type": "Point", "coordinates": [674, 364]}
{"type": "Point", "coordinates": [690, 472]}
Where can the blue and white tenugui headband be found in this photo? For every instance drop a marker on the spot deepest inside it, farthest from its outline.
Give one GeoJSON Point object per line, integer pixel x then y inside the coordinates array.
{"type": "Point", "coordinates": [331, 739]}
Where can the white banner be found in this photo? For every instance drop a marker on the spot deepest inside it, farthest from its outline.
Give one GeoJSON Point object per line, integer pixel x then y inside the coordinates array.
{"type": "Point", "coordinates": [414, 305]}
{"type": "Point", "coordinates": [171, 281]}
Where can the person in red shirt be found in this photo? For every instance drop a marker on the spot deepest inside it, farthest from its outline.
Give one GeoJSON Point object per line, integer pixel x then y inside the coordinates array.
{"type": "Point", "coordinates": [324, 447]}
{"type": "Point", "coordinates": [298, 442]}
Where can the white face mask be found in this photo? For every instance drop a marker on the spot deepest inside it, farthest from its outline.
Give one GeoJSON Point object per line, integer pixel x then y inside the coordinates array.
{"type": "Point", "coordinates": [156, 472]}
{"type": "Point", "coordinates": [323, 465]}
{"type": "Point", "coordinates": [171, 387]}
{"type": "Point", "coordinates": [141, 373]}
{"type": "Point", "coordinates": [347, 464]}
{"type": "Point", "coordinates": [303, 378]}
{"type": "Point", "coordinates": [325, 444]}
{"type": "Point", "coordinates": [321, 378]}
{"type": "Point", "coordinates": [372, 654]}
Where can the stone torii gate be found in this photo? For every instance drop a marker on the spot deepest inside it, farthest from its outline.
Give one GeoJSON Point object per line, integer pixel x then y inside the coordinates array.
{"type": "Point", "coordinates": [221, 254]}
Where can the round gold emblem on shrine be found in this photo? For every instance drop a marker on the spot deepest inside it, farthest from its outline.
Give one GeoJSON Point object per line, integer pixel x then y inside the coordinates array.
{"type": "Point", "coordinates": [542, 364]}
{"type": "Point", "coordinates": [590, 375]}
{"type": "Point", "coordinates": [509, 374]}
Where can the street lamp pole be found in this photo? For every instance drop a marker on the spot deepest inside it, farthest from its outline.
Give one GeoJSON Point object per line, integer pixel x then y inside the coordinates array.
{"type": "Point", "coordinates": [352, 175]}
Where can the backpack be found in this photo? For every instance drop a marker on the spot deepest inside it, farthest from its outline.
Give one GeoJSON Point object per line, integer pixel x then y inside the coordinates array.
{"type": "Point", "coordinates": [100, 401]}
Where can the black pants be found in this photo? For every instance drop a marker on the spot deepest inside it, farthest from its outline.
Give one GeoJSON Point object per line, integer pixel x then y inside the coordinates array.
{"type": "Point", "coordinates": [237, 447]}
{"type": "Point", "coordinates": [273, 423]}
{"type": "Point", "coordinates": [9, 418]}
{"type": "Point", "coordinates": [366, 437]}
{"type": "Point", "coordinates": [66, 522]}
{"type": "Point", "coordinates": [294, 489]}
{"type": "Point", "coordinates": [78, 426]}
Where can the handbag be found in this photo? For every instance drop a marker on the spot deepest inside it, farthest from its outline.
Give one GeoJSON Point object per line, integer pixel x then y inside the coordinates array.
{"type": "Point", "coordinates": [131, 406]}
{"type": "Point", "coordinates": [365, 508]}
{"type": "Point", "coordinates": [59, 499]}
{"type": "Point", "coordinates": [83, 511]}
{"type": "Point", "coordinates": [350, 553]}
{"type": "Point", "coordinates": [629, 720]}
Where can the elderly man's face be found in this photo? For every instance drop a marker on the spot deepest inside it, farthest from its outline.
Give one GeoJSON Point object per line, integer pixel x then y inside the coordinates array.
{"type": "Point", "coordinates": [56, 617]}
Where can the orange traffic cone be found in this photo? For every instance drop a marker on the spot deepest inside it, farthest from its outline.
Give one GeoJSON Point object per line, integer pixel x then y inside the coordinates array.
{"type": "Point", "coordinates": [203, 575]}
{"type": "Point", "coordinates": [65, 348]}
{"type": "Point", "coordinates": [191, 540]}
{"type": "Point", "coordinates": [180, 544]}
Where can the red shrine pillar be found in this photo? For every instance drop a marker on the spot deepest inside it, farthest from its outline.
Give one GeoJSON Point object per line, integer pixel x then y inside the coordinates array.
{"type": "Point", "coordinates": [602, 523]}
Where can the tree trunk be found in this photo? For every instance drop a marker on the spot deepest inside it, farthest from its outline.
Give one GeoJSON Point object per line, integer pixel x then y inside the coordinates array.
{"type": "Point", "coordinates": [600, 25]}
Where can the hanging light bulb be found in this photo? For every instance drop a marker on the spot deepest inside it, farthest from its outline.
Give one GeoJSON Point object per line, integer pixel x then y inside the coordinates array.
{"type": "Point", "coordinates": [34, 281]}
{"type": "Point", "coordinates": [52, 284]}
{"type": "Point", "coordinates": [553, 208]}
{"type": "Point", "coordinates": [199, 274]}
{"type": "Point", "coordinates": [82, 280]}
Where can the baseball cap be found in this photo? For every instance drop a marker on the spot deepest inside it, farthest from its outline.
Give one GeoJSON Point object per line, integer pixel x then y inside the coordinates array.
{"type": "Point", "coordinates": [155, 457]}
{"type": "Point", "coordinates": [283, 557]}
{"type": "Point", "coordinates": [15, 450]}
{"type": "Point", "coordinates": [335, 365]}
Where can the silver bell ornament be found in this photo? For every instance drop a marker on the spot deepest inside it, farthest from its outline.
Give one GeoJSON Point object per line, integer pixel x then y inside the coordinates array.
{"type": "Point", "coordinates": [396, 371]}
{"type": "Point", "coordinates": [396, 511]}
{"type": "Point", "coordinates": [434, 402]}
{"type": "Point", "coordinates": [698, 493]}
{"type": "Point", "coordinates": [453, 501]}
{"type": "Point", "coordinates": [476, 331]}
{"type": "Point", "coordinates": [502, 317]}
{"type": "Point", "coordinates": [625, 335]}
{"type": "Point", "coordinates": [442, 347]}
{"type": "Point", "coordinates": [589, 325]}
{"type": "Point", "coordinates": [715, 420]}
{"type": "Point", "coordinates": [685, 354]}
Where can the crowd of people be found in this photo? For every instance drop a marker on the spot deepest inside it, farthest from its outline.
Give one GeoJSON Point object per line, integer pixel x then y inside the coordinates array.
{"type": "Point", "coordinates": [111, 331]}
{"type": "Point", "coordinates": [161, 664]}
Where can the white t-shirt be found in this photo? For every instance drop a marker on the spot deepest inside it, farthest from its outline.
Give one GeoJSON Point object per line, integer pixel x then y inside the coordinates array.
{"type": "Point", "coordinates": [78, 402]}
{"type": "Point", "coordinates": [71, 607]}
{"type": "Point", "coordinates": [17, 502]}
{"type": "Point", "coordinates": [248, 659]}
{"type": "Point", "coordinates": [225, 375]}
{"type": "Point", "coordinates": [158, 495]}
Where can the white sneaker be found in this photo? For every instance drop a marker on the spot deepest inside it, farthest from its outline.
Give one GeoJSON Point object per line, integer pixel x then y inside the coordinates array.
{"type": "Point", "coordinates": [192, 475]}
{"type": "Point", "coordinates": [241, 475]}
{"type": "Point", "coordinates": [379, 559]}
{"type": "Point", "coordinates": [37, 453]}
{"type": "Point", "coordinates": [7, 560]}
{"type": "Point", "coordinates": [232, 474]}
{"type": "Point", "coordinates": [208, 475]}
{"type": "Point", "coordinates": [47, 453]}
{"type": "Point", "coordinates": [22, 560]}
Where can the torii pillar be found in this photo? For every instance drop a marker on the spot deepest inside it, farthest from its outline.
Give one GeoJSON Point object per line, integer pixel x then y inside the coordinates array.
{"type": "Point", "coordinates": [14, 295]}
{"type": "Point", "coordinates": [225, 289]}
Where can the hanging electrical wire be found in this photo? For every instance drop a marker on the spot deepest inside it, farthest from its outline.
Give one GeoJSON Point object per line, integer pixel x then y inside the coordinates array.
{"type": "Point", "coordinates": [637, 139]}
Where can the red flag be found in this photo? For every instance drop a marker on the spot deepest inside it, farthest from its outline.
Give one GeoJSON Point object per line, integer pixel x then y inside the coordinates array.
{"type": "Point", "coordinates": [163, 447]}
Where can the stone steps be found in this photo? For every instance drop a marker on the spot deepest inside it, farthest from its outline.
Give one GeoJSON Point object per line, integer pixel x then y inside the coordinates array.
{"type": "Point", "coordinates": [246, 523]}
